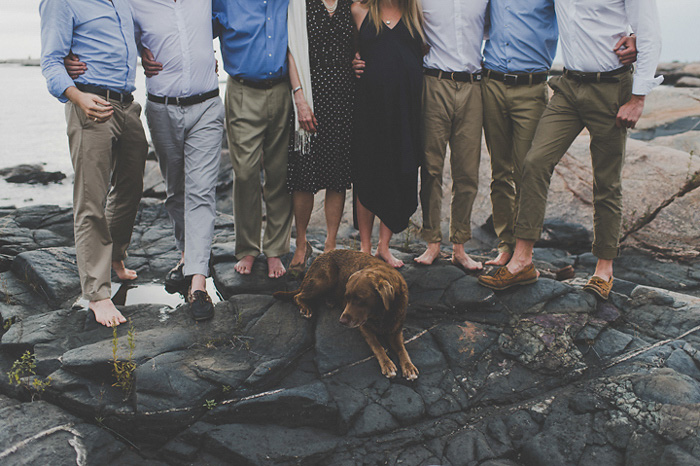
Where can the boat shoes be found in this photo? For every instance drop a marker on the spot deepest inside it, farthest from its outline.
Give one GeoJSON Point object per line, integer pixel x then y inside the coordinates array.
{"type": "Point", "coordinates": [503, 279]}
{"type": "Point", "coordinates": [599, 287]}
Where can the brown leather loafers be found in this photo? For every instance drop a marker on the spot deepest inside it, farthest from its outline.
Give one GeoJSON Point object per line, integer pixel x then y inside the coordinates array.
{"type": "Point", "coordinates": [599, 287]}
{"type": "Point", "coordinates": [503, 279]}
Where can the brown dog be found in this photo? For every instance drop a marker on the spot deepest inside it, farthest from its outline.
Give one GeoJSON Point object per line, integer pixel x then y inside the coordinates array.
{"type": "Point", "coordinates": [375, 297]}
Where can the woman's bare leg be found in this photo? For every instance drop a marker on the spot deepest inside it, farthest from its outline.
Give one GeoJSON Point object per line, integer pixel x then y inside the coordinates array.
{"type": "Point", "coordinates": [365, 222]}
{"type": "Point", "coordinates": [335, 202]}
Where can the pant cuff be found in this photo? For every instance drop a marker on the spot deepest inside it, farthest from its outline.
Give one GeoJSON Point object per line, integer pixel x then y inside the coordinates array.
{"type": "Point", "coordinates": [506, 248]}
{"type": "Point", "coordinates": [605, 252]}
{"type": "Point", "coordinates": [98, 295]}
{"type": "Point", "coordinates": [431, 235]}
{"type": "Point", "coordinates": [249, 252]}
{"type": "Point", "coordinates": [530, 234]}
{"type": "Point", "coordinates": [276, 252]}
{"type": "Point", "coordinates": [460, 237]}
{"type": "Point", "coordinates": [197, 269]}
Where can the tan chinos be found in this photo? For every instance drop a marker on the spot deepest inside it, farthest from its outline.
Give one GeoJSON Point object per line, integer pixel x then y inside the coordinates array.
{"type": "Point", "coordinates": [452, 113]}
{"type": "Point", "coordinates": [103, 154]}
{"type": "Point", "coordinates": [573, 107]}
{"type": "Point", "coordinates": [511, 114]}
{"type": "Point", "coordinates": [257, 128]}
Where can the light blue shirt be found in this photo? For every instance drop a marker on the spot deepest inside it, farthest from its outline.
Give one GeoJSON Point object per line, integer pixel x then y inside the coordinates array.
{"type": "Point", "coordinates": [253, 36]}
{"type": "Point", "coordinates": [522, 36]}
{"type": "Point", "coordinates": [99, 32]}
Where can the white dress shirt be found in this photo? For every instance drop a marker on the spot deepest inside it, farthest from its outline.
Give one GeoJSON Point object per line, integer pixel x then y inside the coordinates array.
{"type": "Point", "coordinates": [454, 31]}
{"type": "Point", "coordinates": [589, 30]}
{"type": "Point", "coordinates": [180, 35]}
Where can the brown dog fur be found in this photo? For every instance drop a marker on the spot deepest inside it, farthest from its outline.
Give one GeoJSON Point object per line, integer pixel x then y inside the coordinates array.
{"type": "Point", "coordinates": [374, 295]}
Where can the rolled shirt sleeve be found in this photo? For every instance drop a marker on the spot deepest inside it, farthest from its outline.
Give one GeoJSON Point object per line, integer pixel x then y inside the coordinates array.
{"type": "Point", "coordinates": [644, 20]}
{"type": "Point", "coordinates": [56, 37]}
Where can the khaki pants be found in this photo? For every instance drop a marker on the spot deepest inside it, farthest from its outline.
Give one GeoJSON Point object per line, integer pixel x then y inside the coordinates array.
{"type": "Point", "coordinates": [573, 107]}
{"type": "Point", "coordinates": [257, 127]}
{"type": "Point", "coordinates": [511, 114]}
{"type": "Point", "coordinates": [107, 153]}
{"type": "Point", "coordinates": [452, 113]}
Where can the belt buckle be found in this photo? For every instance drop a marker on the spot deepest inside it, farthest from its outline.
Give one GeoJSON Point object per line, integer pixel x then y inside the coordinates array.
{"type": "Point", "coordinates": [513, 77]}
{"type": "Point", "coordinates": [177, 101]}
{"type": "Point", "coordinates": [452, 76]}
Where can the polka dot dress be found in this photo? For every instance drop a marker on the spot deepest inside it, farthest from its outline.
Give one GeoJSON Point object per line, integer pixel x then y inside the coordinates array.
{"type": "Point", "coordinates": [331, 52]}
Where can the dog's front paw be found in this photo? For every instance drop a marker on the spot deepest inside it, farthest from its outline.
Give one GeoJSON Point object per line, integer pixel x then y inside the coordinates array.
{"type": "Point", "coordinates": [410, 372]}
{"type": "Point", "coordinates": [388, 368]}
{"type": "Point", "coordinates": [306, 312]}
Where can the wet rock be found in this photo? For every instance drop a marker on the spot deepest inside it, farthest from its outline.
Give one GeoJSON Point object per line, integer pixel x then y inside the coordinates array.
{"type": "Point", "coordinates": [668, 387]}
{"type": "Point", "coordinates": [39, 433]}
{"type": "Point", "coordinates": [30, 174]}
{"type": "Point", "coordinates": [52, 272]}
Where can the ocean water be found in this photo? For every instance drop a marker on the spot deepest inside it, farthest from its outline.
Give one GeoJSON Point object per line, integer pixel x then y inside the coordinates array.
{"type": "Point", "coordinates": [33, 131]}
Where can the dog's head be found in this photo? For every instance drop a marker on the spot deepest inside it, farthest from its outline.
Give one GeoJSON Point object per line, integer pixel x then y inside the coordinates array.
{"type": "Point", "coordinates": [366, 292]}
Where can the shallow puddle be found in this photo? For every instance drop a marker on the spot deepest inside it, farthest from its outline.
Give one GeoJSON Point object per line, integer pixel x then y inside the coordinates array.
{"type": "Point", "coordinates": [129, 294]}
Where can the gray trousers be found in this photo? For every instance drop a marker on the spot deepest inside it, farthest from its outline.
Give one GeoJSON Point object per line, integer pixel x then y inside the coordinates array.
{"type": "Point", "coordinates": [188, 147]}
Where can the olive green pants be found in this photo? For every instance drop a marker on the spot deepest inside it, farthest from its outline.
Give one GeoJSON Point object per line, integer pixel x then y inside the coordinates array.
{"type": "Point", "coordinates": [257, 128]}
{"type": "Point", "coordinates": [103, 154]}
{"type": "Point", "coordinates": [511, 114]}
{"type": "Point", "coordinates": [573, 107]}
{"type": "Point", "coordinates": [452, 114]}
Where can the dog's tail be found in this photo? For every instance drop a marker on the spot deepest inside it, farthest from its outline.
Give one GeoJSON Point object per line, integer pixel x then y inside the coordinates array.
{"type": "Point", "coordinates": [285, 295]}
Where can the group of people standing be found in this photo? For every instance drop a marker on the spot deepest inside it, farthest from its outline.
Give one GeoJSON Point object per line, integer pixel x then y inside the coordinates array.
{"type": "Point", "coordinates": [379, 88]}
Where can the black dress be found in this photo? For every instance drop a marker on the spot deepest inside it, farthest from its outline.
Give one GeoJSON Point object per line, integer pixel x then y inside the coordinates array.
{"type": "Point", "coordinates": [387, 145]}
{"type": "Point", "coordinates": [331, 51]}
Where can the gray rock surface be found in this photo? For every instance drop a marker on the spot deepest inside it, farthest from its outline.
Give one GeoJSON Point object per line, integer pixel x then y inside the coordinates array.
{"type": "Point", "coordinates": [538, 375]}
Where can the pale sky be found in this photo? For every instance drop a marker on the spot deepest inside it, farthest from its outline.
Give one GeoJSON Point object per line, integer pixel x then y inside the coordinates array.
{"type": "Point", "coordinates": [680, 24]}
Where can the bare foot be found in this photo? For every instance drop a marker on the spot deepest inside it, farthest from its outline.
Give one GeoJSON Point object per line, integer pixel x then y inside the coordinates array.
{"type": "Point", "coordinates": [122, 272]}
{"type": "Point", "coordinates": [501, 259]}
{"type": "Point", "coordinates": [386, 256]}
{"type": "Point", "coordinates": [329, 245]}
{"type": "Point", "coordinates": [106, 313]}
{"type": "Point", "coordinates": [463, 261]}
{"type": "Point", "coordinates": [299, 256]}
{"type": "Point", "coordinates": [245, 265]}
{"type": "Point", "coordinates": [275, 269]}
{"type": "Point", "coordinates": [431, 253]}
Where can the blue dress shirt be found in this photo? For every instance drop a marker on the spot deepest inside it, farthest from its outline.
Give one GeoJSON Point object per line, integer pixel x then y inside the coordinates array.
{"type": "Point", "coordinates": [99, 32]}
{"type": "Point", "coordinates": [522, 36]}
{"type": "Point", "coordinates": [253, 36]}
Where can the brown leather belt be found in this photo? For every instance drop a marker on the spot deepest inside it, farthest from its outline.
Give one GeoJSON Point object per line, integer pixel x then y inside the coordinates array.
{"type": "Point", "coordinates": [122, 97]}
{"type": "Point", "coordinates": [513, 79]}
{"type": "Point", "coordinates": [265, 84]}
{"type": "Point", "coordinates": [183, 101]}
{"type": "Point", "coordinates": [459, 76]}
{"type": "Point", "coordinates": [601, 77]}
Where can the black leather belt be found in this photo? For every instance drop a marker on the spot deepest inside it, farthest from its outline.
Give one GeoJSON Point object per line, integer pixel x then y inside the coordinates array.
{"type": "Point", "coordinates": [124, 98]}
{"type": "Point", "coordinates": [184, 101]}
{"type": "Point", "coordinates": [513, 79]}
{"type": "Point", "coordinates": [459, 76]}
{"type": "Point", "coordinates": [265, 84]}
{"type": "Point", "coordinates": [602, 77]}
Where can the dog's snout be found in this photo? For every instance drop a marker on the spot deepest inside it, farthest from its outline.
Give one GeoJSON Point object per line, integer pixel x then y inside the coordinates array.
{"type": "Point", "coordinates": [345, 320]}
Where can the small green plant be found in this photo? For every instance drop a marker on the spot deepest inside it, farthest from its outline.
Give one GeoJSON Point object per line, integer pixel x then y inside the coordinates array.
{"type": "Point", "coordinates": [23, 367]}
{"type": "Point", "coordinates": [23, 372]}
{"type": "Point", "coordinates": [226, 388]}
{"type": "Point", "coordinates": [7, 324]}
{"type": "Point", "coordinates": [209, 404]}
{"type": "Point", "coordinates": [123, 371]}
{"type": "Point", "coordinates": [99, 420]}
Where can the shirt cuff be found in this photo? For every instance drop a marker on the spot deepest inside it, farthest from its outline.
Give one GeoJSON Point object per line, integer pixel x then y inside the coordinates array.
{"type": "Point", "coordinates": [643, 86]}
{"type": "Point", "coordinates": [59, 86]}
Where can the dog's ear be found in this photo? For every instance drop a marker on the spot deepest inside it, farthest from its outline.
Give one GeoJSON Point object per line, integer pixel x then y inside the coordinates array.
{"type": "Point", "coordinates": [386, 291]}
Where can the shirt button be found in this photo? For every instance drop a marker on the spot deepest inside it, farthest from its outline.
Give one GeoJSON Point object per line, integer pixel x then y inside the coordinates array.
{"type": "Point", "coordinates": [268, 18]}
{"type": "Point", "coordinates": [270, 54]}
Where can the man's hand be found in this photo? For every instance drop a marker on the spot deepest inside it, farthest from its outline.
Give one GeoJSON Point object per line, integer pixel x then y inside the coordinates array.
{"type": "Point", "coordinates": [307, 119]}
{"type": "Point", "coordinates": [150, 66]}
{"type": "Point", "coordinates": [74, 66]}
{"type": "Point", "coordinates": [626, 50]}
{"type": "Point", "coordinates": [95, 107]}
{"type": "Point", "coordinates": [358, 65]}
{"type": "Point", "coordinates": [629, 114]}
